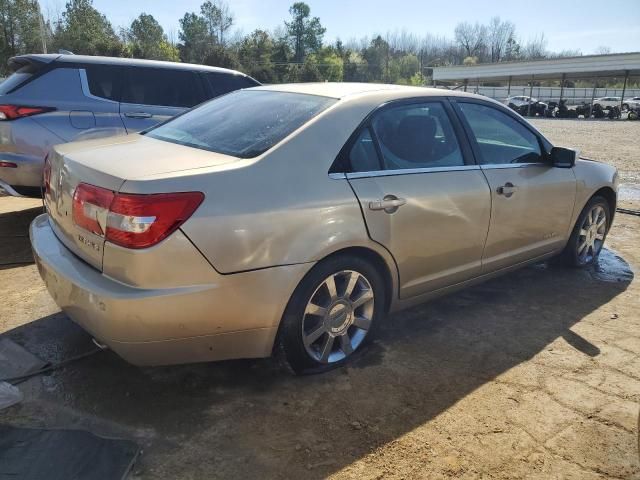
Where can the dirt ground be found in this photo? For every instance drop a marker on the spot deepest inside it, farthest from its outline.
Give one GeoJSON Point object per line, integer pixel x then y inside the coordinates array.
{"type": "Point", "coordinates": [532, 375]}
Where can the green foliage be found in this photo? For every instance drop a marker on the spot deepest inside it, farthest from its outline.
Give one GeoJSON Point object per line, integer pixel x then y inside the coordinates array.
{"type": "Point", "coordinates": [146, 39]}
{"type": "Point", "coordinates": [84, 30]}
{"type": "Point", "coordinates": [256, 51]}
{"type": "Point", "coordinates": [304, 32]}
{"type": "Point", "coordinates": [22, 30]}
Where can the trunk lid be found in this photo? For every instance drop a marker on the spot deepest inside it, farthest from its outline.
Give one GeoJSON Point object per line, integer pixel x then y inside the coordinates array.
{"type": "Point", "coordinates": [108, 163]}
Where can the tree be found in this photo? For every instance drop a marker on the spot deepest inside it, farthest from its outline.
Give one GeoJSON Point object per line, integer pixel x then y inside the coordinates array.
{"type": "Point", "coordinates": [22, 29]}
{"type": "Point", "coordinates": [83, 29]}
{"type": "Point", "coordinates": [499, 33]}
{"type": "Point", "coordinates": [304, 32]}
{"type": "Point", "coordinates": [255, 53]}
{"type": "Point", "coordinates": [194, 38]}
{"type": "Point", "coordinates": [472, 38]}
{"type": "Point", "coordinates": [535, 48]}
{"type": "Point", "coordinates": [377, 56]}
{"type": "Point", "coordinates": [512, 49]}
{"type": "Point", "coordinates": [146, 39]}
{"type": "Point", "coordinates": [218, 18]}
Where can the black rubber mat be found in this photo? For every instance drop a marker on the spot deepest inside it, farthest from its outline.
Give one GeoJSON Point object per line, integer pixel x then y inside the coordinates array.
{"type": "Point", "coordinates": [34, 454]}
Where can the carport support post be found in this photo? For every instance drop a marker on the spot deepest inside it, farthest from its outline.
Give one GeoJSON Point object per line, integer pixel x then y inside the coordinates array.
{"type": "Point", "coordinates": [564, 77]}
{"type": "Point", "coordinates": [530, 93]}
{"type": "Point", "coordinates": [624, 87]}
{"type": "Point", "coordinates": [593, 96]}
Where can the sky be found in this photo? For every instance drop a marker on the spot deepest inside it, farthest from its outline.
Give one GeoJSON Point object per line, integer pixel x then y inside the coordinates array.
{"type": "Point", "coordinates": [582, 25]}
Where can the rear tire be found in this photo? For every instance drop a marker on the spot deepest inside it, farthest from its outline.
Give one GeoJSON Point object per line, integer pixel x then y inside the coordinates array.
{"type": "Point", "coordinates": [332, 314]}
{"type": "Point", "coordinates": [589, 234]}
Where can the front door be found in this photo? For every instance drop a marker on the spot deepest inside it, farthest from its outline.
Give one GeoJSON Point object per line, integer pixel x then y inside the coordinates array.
{"type": "Point", "coordinates": [419, 197]}
{"type": "Point", "coordinates": [532, 201]}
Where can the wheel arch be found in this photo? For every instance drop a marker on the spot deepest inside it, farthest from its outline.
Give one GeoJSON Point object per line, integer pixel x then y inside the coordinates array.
{"type": "Point", "coordinates": [610, 196]}
{"type": "Point", "coordinates": [382, 261]}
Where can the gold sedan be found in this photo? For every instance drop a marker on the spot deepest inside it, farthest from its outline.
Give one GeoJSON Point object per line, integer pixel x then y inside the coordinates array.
{"type": "Point", "coordinates": [298, 216]}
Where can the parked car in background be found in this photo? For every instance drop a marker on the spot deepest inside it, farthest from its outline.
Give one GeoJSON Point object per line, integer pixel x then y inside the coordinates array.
{"type": "Point", "coordinates": [606, 102]}
{"type": "Point", "coordinates": [52, 99]}
{"type": "Point", "coordinates": [631, 103]}
{"type": "Point", "coordinates": [307, 214]}
{"type": "Point", "coordinates": [518, 101]}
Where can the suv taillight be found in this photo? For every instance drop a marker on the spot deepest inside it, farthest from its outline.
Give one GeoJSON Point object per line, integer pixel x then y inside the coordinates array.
{"type": "Point", "coordinates": [132, 220]}
{"type": "Point", "coordinates": [11, 112]}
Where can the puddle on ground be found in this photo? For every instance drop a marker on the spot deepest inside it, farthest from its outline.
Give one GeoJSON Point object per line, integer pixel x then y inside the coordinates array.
{"type": "Point", "coordinates": [611, 268]}
{"type": "Point", "coordinates": [629, 192]}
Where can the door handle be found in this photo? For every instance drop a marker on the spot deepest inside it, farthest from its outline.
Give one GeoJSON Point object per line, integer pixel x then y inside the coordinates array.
{"type": "Point", "coordinates": [507, 189]}
{"type": "Point", "coordinates": [138, 115]}
{"type": "Point", "coordinates": [390, 204]}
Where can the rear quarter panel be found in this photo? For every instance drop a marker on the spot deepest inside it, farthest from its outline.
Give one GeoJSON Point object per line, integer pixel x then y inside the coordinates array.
{"type": "Point", "coordinates": [278, 209]}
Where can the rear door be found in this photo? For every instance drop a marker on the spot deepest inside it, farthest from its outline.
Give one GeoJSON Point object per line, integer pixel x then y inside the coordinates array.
{"type": "Point", "coordinates": [152, 95]}
{"type": "Point", "coordinates": [421, 197]}
{"type": "Point", "coordinates": [532, 201]}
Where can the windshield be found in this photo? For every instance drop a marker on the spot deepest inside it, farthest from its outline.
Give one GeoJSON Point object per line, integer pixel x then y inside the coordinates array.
{"type": "Point", "coordinates": [244, 123]}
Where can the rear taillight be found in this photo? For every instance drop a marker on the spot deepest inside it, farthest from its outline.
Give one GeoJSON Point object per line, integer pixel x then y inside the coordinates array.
{"type": "Point", "coordinates": [132, 220]}
{"type": "Point", "coordinates": [11, 112]}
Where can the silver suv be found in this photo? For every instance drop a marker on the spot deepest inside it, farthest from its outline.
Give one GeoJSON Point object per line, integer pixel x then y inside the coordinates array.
{"type": "Point", "coordinates": [52, 99]}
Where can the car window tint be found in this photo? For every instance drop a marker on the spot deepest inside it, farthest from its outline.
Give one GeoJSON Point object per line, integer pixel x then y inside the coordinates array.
{"type": "Point", "coordinates": [501, 139]}
{"type": "Point", "coordinates": [417, 136]}
{"type": "Point", "coordinates": [157, 86]}
{"type": "Point", "coordinates": [103, 81]}
{"type": "Point", "coordinates": [222, 83]}
{"type": "Point", "coordinates": [363, 156]}
{"type": "Point", "coordinates": [244, 123]}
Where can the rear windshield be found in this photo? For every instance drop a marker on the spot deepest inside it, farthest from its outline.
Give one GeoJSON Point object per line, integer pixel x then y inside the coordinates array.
{"type": "Point", "coordinates": [16, 79]}
{"type": "Point", "coordinates": [244, 123]}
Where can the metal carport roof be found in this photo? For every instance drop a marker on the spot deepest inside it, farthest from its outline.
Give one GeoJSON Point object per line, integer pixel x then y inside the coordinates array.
{"type": "Point", "coordinates": [587, 66]}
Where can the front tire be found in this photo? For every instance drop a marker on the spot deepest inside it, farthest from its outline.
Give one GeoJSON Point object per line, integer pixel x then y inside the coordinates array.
{"type": "Point", "coordinates": [589, 234]}
{"type": "Point", "coordinates": [332, 314]}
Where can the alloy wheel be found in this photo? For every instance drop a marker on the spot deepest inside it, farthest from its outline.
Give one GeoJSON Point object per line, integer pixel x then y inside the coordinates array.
{"type": "Point", "coordinates": [338, 316]}
{"type": "Point", "coordinates": [591, 235]}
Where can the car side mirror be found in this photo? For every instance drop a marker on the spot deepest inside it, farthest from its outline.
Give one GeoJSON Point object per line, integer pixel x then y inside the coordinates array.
{"type": "Point", "coordinates": [563, 157]}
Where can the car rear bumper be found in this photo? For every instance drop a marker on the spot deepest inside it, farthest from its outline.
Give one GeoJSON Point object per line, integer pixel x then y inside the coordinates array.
{"type": "Point", "coordinates": [235, 316]}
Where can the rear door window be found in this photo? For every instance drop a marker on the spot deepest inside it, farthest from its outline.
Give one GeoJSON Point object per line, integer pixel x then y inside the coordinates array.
{"type": "Point", "coordinates": [221, 83]}
{"type": "Point", "coordinates": [162, 87]}
{"type": "Point", "coordinates": [104, 81]}
{"type": "Point", "coordinates": [417, 136]}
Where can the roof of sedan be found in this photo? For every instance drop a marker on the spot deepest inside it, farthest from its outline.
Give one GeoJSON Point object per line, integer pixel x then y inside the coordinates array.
{"type": "Point", "coordinates": [345, 89]}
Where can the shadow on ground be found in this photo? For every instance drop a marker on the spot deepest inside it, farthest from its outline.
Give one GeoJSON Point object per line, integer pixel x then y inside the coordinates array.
{"type": "Point", "coordinates": [14, 237]}
{"type": "Point", "coordinates": [244, 419]}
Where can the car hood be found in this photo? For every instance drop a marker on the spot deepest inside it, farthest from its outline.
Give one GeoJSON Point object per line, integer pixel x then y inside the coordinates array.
{"type": "Point", "coordinates": [137, 156]}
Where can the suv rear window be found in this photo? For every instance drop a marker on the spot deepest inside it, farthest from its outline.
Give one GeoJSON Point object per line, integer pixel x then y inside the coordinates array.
{"type": "Point", "coordinates": [222, 83]}
{"type": "Point", "coordinates": [16, 79]}
{"type": "Point", "coordinates": [244, 123]}
{"type": "Point", "coordinates": [161, 86]}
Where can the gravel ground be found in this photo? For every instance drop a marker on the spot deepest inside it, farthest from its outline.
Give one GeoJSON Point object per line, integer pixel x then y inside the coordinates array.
{"type": "Point", "coordinates": [532, 375]}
